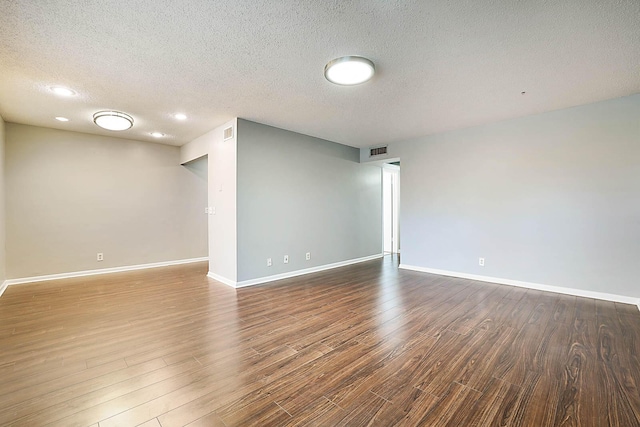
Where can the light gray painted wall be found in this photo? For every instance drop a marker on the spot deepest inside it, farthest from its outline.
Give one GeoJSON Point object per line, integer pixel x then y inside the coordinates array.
{"type": "Point", "coordinates": [200, 167]}
{"type": "Point", "coordinates": [3, 239]}
{"type": "Point", "coordinates": [299, 194]}
{"type": "Point", "coordinates": [552, 199]}
{"type": "Point", "coordinates": [70, 195]}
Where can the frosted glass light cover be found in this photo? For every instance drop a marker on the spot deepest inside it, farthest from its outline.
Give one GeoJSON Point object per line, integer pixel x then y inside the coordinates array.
{"type": "Point", "coordinates": [349, 70]}
{"type": "Point", "coordinates": [113, 120]}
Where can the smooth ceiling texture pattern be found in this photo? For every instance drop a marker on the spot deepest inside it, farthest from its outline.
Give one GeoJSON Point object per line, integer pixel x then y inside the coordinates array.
{"type": "Point", "coordinates": [441, 65]}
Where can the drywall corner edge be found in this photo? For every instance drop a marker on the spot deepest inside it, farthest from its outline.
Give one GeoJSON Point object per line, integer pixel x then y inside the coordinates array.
{"type": "Point", "coordinates": [222, 280]}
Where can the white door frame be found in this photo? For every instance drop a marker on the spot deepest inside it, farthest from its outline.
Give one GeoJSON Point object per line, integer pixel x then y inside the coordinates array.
{"type": "Point", "coordinates": [391, 208]}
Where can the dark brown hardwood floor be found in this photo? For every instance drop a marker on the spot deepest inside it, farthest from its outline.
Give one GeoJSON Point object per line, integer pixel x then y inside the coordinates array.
{"type": "Point", "coordinates": [361, 345]}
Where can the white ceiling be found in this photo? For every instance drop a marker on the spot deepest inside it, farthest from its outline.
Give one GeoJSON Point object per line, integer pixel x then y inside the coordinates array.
{"type": "Point", "coordinates": [441, 65]}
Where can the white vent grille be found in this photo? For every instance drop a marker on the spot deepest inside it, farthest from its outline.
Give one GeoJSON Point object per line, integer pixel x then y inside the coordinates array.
{"type": "Point", "coordinates": [228, 133]}
{"type": "Point", "coordinates": [378, 151]}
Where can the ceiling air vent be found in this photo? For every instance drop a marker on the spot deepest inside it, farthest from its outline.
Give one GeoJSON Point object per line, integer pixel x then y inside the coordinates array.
{"type": "Point", "coordinates": [378, 151]}
{"type": "Point", "coordinates": [228, 133]}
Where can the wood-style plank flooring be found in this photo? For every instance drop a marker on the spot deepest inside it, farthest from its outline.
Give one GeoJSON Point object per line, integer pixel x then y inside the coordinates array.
{"type": "Point", "coordinates": [361, 345]}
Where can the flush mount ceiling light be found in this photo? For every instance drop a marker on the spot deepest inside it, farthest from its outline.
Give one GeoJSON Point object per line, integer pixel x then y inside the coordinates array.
{"type": "Point", "coordinates": [62, 119]}
{"type": "Point", "coordinates": [113, 120]}
{"type": "Point", "coordinates": [349, 70]}
{"type": "Point", "coordinates": [157, 134]}
{"type": "Point", "coordinates": [180, 116]}
{"type": "Point", "coordinates": [59, 90]}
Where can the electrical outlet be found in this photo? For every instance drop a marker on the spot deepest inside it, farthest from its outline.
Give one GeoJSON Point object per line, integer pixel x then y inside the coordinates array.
{"type": "Point", "coordinates": [286, 259]}
{"type": "Point", "coordinates": [100, 256]}
{"type": "Point", "coordinates": [481, 262]}
{"type": "Point", "coordinates": [206, 210]}
{"type": "Point", "coordinates": [308, 256]}
{"type": "Point", "coordinates": [269, 263]}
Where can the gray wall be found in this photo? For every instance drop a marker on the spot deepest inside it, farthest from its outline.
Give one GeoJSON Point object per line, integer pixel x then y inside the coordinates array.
{"type": "Point", "coordinates": [299, 194]}
{"type": "Point", "coordinates": [70, 195]}
{"type": "Point", "coordinates": [199, 167]}
{"type": "Point", "coordinates": [552, 199]}
{"type": "Point", "coordinates": [3, 252]}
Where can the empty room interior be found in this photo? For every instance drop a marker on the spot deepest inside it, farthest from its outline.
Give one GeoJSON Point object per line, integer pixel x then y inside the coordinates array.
{"type": "Point", "coordinates": [320, 213]}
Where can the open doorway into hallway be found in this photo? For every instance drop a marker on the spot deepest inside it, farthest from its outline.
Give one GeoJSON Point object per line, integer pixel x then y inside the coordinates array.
{"type": "Point", "coordinates": [391, 207]}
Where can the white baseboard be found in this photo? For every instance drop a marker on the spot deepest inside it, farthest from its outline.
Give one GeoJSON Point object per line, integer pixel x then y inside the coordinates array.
{"type": "Point", "coordinates": [289, 274]}
{"type": "Point", "coordinates": [101, 271]}
{"type": "Point", "coordinates": [221, 279]}
{"type": "Point", "coordinates": [3, 287]}
{"type": "Point", "coordinates": [529, 285]}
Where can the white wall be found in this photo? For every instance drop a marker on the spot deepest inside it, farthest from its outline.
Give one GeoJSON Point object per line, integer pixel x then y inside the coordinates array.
{"type": "Point", "coordinates": [222, 169]}
{"type": "Point", "coordinates": [195, 149]}
{"type": "Point", "coordinates": [299, 194]}
{"type": "Point", "coordinates": [70, 195]}
{"type": "Point", "coordinates": [390, 208]}
{"type": "Point", "coordinates": [3, 252]}
{"type": "Point", "coordinates": [552, 199]}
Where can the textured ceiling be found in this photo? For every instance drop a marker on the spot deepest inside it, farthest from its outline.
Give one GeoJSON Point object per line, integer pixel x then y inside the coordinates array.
{"type": "Point", "coordinates": [441, 65]}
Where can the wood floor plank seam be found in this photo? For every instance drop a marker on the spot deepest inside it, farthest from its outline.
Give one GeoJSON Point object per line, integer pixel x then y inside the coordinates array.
{"type": "Point", "coordinates": [366, 344]}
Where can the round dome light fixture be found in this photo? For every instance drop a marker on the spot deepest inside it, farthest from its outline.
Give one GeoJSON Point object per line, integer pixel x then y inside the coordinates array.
{"type": "Point", "coordinates": [157, 134]}
{"type": "Point", "coordinates": [180, 116]}
{"type": "Point", "coordinates": [349, 70]}
{"type": "Point", "coordinates": [59, 90]}
{"type": "Point", "coordinates": [113, 120]}
{"type": "Point", "coordinates": [62, 119]}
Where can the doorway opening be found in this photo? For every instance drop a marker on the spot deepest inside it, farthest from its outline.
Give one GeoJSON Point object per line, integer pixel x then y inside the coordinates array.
{"type": "Point", "coordinates": [391, 207]}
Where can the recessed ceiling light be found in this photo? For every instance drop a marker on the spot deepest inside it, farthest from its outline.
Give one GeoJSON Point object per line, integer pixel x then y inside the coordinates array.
{"type": "Point", "coordinates": [62, 91]}
{"type": "Point", "coordinates": [62, 119]}
{"type": "Point", "coordinates": [157, 134]}
{"type": "Point", "coordinates": [113, 120]}
{"type": "Point", "coordinates": [181, 116]}
{"type": "Point", "coordinates": [349, 70]}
